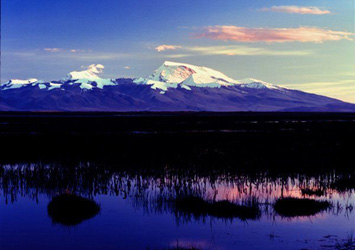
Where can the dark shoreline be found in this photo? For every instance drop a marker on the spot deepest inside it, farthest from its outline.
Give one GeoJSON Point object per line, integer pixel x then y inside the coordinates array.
{"type": "Point", "coordinates": [179, 113]}
{"type": "Point", "coordinates": [167, 122]}
{"type": "Point", "coordinates": [309, 141]}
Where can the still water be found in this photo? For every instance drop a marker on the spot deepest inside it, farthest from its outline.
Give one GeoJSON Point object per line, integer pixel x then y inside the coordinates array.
{"type": "Point", "coordinates": [137, 209]}
{"type": "Point", "coordinates": [177, 181]}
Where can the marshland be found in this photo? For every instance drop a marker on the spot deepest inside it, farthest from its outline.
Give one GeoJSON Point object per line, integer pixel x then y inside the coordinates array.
{"type": "Point", "coordinates": [255, 182]}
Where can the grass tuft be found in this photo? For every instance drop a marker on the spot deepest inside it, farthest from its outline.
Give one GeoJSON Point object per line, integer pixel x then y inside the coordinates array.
{"type": "Point", "coordinates": [71, 210]}
{"type": "Point", "coordinates": [293, 207]}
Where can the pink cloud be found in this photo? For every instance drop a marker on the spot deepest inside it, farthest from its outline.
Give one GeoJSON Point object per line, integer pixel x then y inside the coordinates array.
{"type": "Point", "coordinates": [164, 47]}
{"type": "Point", "coordinates": [297, 10]}
{"type": "Point", "coordinates": [242, 34]}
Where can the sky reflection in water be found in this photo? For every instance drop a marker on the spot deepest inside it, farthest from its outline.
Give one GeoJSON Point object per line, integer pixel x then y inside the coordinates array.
{"type": "Point", "coordinates": [136, 210]}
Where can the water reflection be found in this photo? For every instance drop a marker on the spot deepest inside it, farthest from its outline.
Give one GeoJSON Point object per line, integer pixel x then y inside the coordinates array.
{"type": "Point", "coordinates": [142, 182]}
{"type": "Point", "coordinates": [158, 190]}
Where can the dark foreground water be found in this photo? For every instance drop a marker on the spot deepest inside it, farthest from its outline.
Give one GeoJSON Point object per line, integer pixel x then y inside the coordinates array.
{"type": "Point", "coordinates": [138, 169]}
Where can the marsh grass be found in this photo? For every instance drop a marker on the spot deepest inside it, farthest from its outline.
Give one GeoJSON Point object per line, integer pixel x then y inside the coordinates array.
{"type": "Point", "coordinates": [156, 190]}
{"type": "Point", "coordinates": [312, 192]}
{"type": "Point", "coordinates": [71, 210]}
{"type": "Point", "coordinates": [344, 184]}
{"type": "Point", "coordinates": [293, 207]}
{"type": "Point", "coordinates": [220, 209]}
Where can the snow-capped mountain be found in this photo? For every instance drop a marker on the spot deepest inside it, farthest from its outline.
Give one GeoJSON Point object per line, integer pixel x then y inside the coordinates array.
{"type": "Point", "coordinates": [172, 87]}
{"type": "Point", "coordinates": [170, 74]}
{"type": "Point", "coordinates": [17, 83]}
{"type": "Point", "coordinates": [90, 73]}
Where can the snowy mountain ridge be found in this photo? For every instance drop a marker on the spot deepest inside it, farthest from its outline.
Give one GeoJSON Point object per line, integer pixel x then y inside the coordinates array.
{"type": "Point", "coordinates": [172, 73]}
{"type": "Point", "coordinates": [172, 87]}
{"type": "Point", "coordinates": [168, 75]}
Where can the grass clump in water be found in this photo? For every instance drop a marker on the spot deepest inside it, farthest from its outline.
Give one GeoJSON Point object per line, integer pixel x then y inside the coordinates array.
{"type": "Point", "coordinates": [310, 192]}
{"type": "Point", "coordinates": [71, 210]}
{"type": "Point", "coordinates": [220, 209]}
{"type": "Point", "coordinates": [293, 207]}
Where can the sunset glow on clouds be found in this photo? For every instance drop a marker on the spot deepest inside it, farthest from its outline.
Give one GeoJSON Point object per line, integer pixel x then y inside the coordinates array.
{"type": "Point", "coordinates": [271, 35]}
{"type": "Point", "coordinates": [235, 50]}
{"type": "Point", "coordinates": [164, 47]}
{"type": "Point", "coordinates": [297, 10]}
{"type": "Point", "coordinates": [273, 41]}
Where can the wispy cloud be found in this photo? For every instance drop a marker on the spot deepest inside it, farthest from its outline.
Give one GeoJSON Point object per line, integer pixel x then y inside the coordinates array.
{"type": "Point", "coordinates": [57, 50]}
{"type": "Point", "coordinates": [342, 89]}
{"type": "Point", "coordinates": [178, 55]}
{"type": "Point", "coordinates": [88, 56]}
{"type": "Point", "coordinates": [96, 56]}
{"type": "Point", "coordinates": [53, 50]}
{"type": "Point", "coordinates": [325, 84]}
{"type": "Point", "coordinates": [271, 35]}
{"type": "Point", "coordinates": [293, 9]}
{"type": "Point", "coordinates": [164, 47]}
{"type": "Point", "coordinates": [76, 50]}
{"type": "Point", "coordinates": [235, 50]}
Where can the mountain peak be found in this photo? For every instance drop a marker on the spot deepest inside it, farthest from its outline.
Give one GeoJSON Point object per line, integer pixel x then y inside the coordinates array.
{"type": "Point", "coordinates": [170, 63]}
{"type": "Point", "coordinates": [171, 74]}
{"type": "Point", "coordinates": [187, 74]}
{"type": "Point", "coordinates": [90, 73]}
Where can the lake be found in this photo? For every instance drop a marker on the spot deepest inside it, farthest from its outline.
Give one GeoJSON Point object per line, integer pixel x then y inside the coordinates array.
{"type": "Point", "coordinates": [177, 181]}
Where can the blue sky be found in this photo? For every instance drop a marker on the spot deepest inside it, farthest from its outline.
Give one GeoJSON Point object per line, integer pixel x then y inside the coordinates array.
{"type": "Point", "coordinates": [274, 41]}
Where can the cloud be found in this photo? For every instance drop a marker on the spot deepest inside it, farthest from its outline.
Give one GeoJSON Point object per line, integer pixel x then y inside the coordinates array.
{"type": "Point", "coordinates": [179, 55]}
{"type": "Point", "coordinates": [327, 84]}
{"type": "Point", "coordinates": [57, 50]}
{"type": "Point", "coordinates": [293, 9]}
{"type": "Point", "coordinates": [53, 50]}
{"type": "Point", "coordinates": [164, 47]}
{"type": "Point", "coordinates": [127, 67]}
{"type": "Point", "coordinates": [235, 50]}
{"type": "Point", "coordinates": [272, 35]}
{"type": "Point", "coordinates": [76, 50]}
{"type": "Point", "coordinates": [342, 89]}
{"type": "Point", "coordinates": [87, 56]}
{"type": "Point", "coordinates": [97, 56]}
